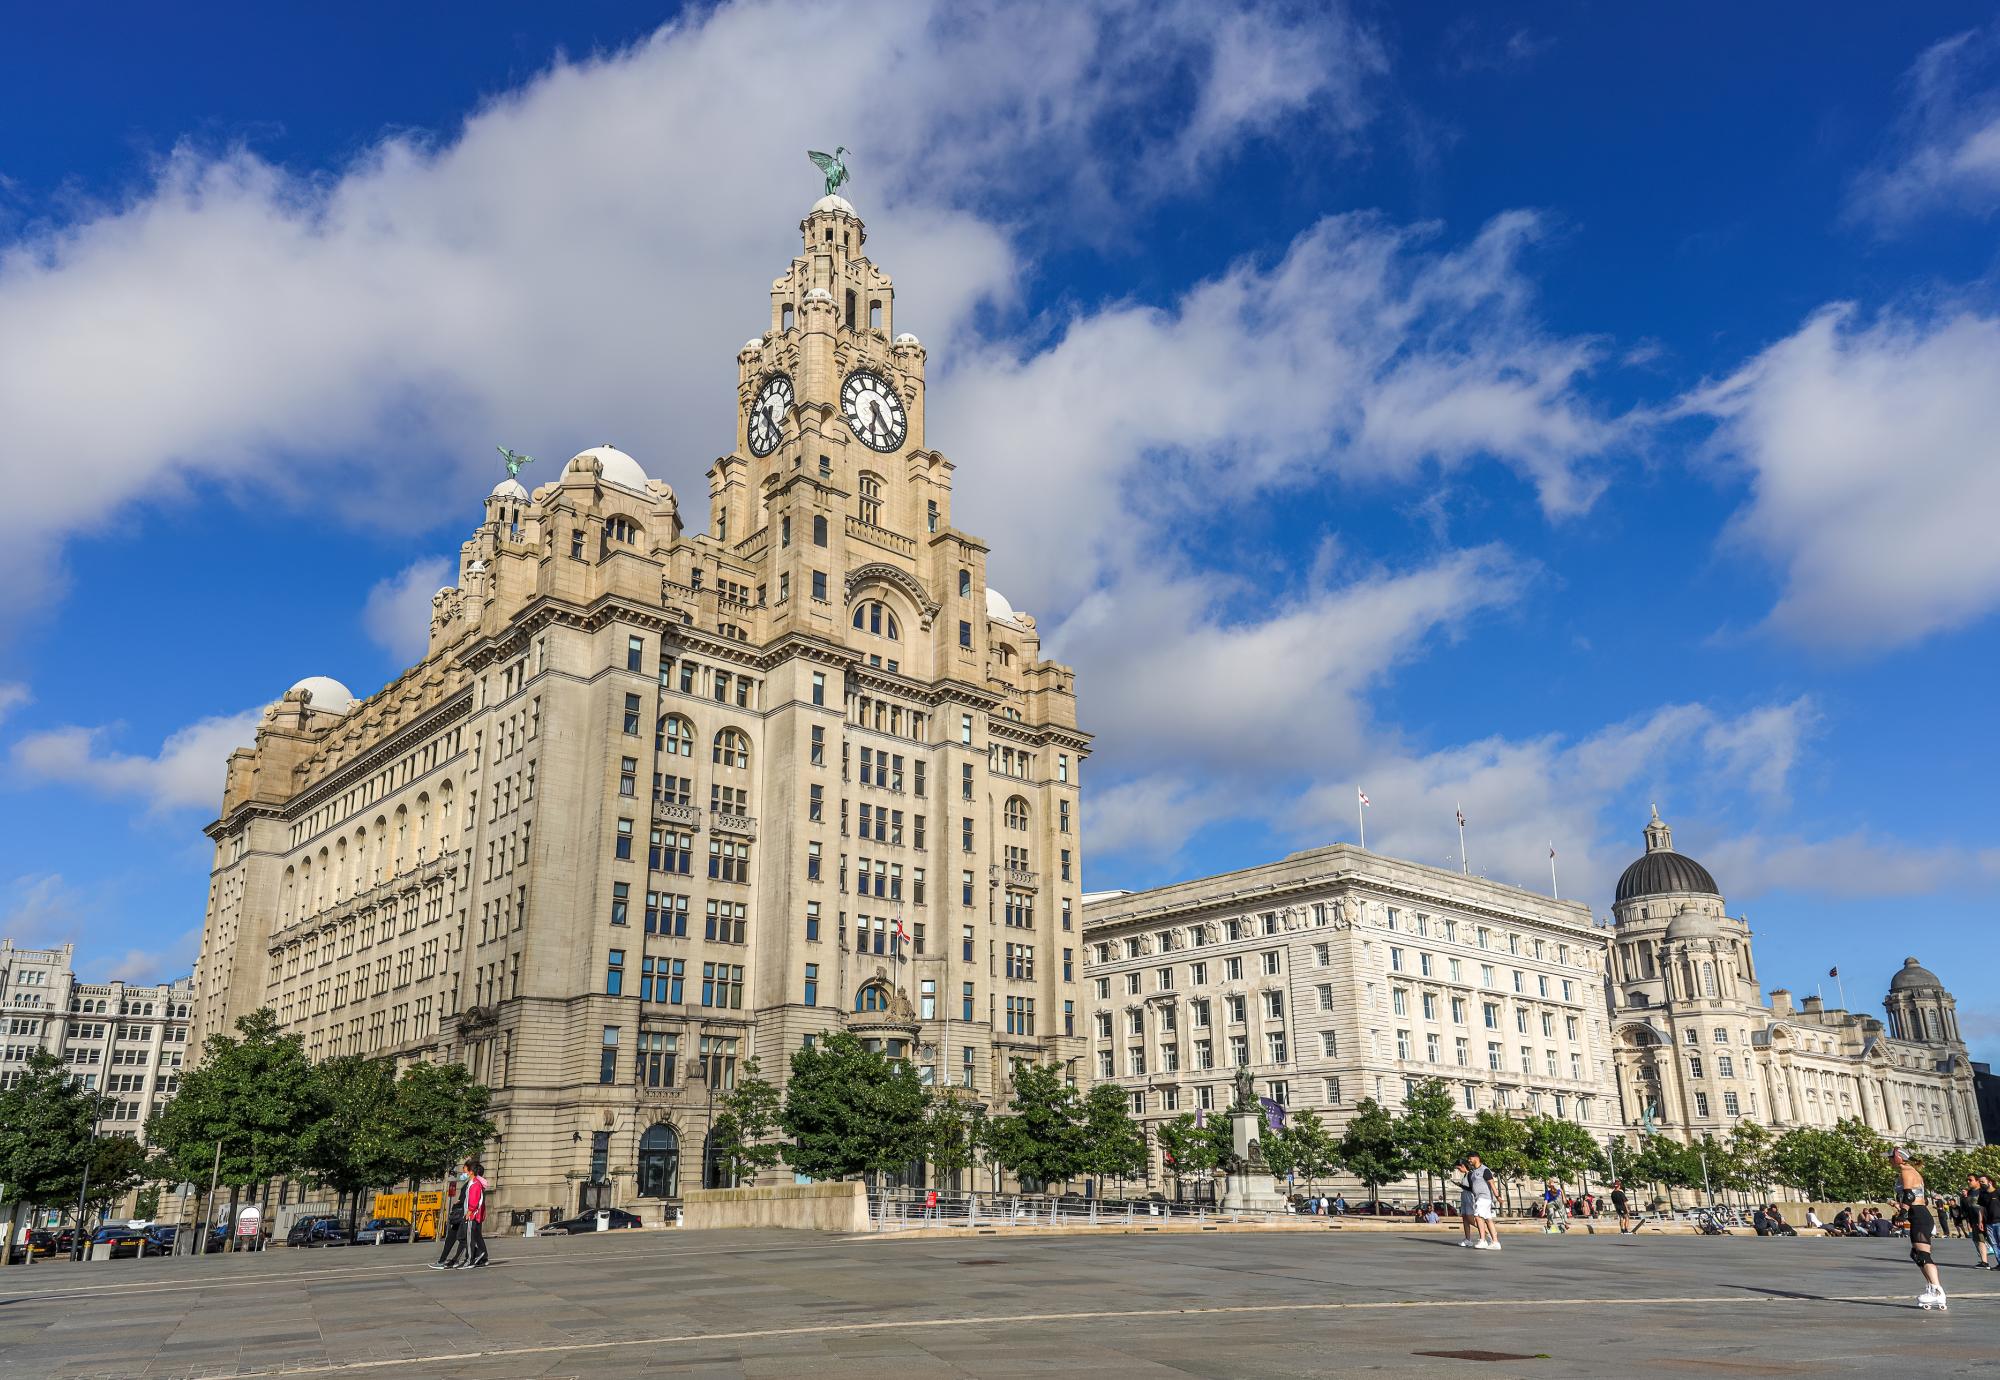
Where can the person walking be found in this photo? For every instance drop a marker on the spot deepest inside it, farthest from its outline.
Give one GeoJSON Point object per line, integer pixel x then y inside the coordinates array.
{"type": "Point", "coordinates": [475, 1215]}
{"type": "Point", "coordinates": [1911, 1193]}
{"type": "Point", "coordinates": [1555, 1214]}
{"type": "Point", "coordinates": [1484, 1206]}
{"type": "Point", "coordinates": [1618, 1205]}
{"type": "Point", "coordinates": [1989, 1213]}
{"type": "Point", "coordinates": [1972, 1211]}
{"type": "Point", "coordinates": [453, 1249]}
{"type": "Point", "coordinates": [1468, 1232]}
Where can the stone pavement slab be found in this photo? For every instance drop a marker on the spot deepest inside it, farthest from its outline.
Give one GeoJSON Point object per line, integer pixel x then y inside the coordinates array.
{"type": "Point", "coordinates": [796, 1305]}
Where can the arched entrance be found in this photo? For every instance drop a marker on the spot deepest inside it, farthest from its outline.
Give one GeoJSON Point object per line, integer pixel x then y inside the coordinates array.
{"type": "Point", "coordinates": [659, 1162]}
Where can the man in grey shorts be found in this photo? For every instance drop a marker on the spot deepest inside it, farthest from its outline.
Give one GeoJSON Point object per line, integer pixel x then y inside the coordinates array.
{"type": "Point", "coordinates": [1484, 1208]}
{"type": "Point", "coordinates": [1462, 1181]}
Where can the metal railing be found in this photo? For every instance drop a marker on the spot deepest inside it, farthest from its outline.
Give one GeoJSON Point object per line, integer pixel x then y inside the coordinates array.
{"type": "Point", "coordinates": [903, 1209]}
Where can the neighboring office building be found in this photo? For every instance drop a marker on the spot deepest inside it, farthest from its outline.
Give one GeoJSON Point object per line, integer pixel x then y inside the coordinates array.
{"type": "Point", "coordinates": [1339, 974]}
{"type": "Point", "coordinates": [128, 1040]}
{"type": "Point", "coordinates": [1698, 1046]}
{"type": "Point", "coordinates": [654, 803]}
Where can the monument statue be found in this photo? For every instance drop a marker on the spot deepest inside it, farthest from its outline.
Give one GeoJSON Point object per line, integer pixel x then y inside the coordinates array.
{"type": "Point", "coordinates": [514, 460]}
{"type": "Point", "coordinates": [1246, 1092]}
{"type": "Point", "coordinates": [832, 166]}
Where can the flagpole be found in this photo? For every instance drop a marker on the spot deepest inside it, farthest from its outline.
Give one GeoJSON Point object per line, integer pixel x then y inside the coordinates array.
{"type": "Point", "coordinates": [1361, 815]}
{"type": "Point", "coordinates": [1841, 987]}
{"type": "Point", "coordinates": [1555, 892]}
{"type": "Point", "coordinates": [1463, 865]}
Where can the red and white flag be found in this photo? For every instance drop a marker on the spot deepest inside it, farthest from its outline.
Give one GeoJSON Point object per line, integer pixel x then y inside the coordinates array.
{"type": "Point", "coordinates": [902, 935]}
{"type": "Point", "coordinates": [1461, 818]}
{"type": "Point", "coordinates": [1361, 795]}
{"type": "Point", "coordinates": [1552, 848]}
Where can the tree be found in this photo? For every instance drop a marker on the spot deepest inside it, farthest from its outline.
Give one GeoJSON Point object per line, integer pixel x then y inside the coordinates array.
{"type": "Point", "coordinates": [1750, 1157]}
{"type": "Point", "coordinates": [253, 1094]}
{"type": "Point", "coordinates": [849, 1110]}
{"type": "Point", "coordinates": [118, 1164]}
{"type": "Point", "coordinates": [746, 1129]}
{"type": "Point", "coordinates": [1187, 1148]}
{"type": "Point", "coordinates": [1114, 1144]}
{"type": "Point", "coordinates": [350, 1145]}
{"type": "Point", "coordinates": [1045, 1139]}
{"type": "Point", "coordinates": [951, 1134]}
{"type": "Point", "coordinates": [1501, 1142]}
{"type": "Point", "coordinates": [439, 1118]}
{"type": "Point", "coordinates": [1371, 1149]}
{"type": "Point", "coordinates": [1430, 1133]}
{"type": "Point", "coordinates": [1665, 1162]}
{"type": "Point", "coordinates": [1562, 1150]}
{"type": "Point", "coordinates": [45, 1127]}
{"type": "Point", "coordinates": [1309, 1149]}
{"type": "Point", "coordinates": [1844, 1163]}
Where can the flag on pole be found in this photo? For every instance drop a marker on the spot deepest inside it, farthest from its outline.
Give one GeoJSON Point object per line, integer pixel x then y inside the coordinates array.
{"type": "Point", "coordinates": [1363, 795]}
{"type": "Point", "coordinates": [1833, 972]}
{"type": "Point", "coordinates": [1552, 848]}
{"type": "Point", "coordinates": [1361, 814]}
{"type": "Point", "coordinates": [902, 937]}
{"type": "Point", "coordinates": [1461, 818]}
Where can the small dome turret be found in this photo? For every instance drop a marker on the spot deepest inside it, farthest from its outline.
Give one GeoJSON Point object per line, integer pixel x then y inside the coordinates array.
{"type": "Point", "coordinates": [1913, 975]}
{"type": "Point", "coordinates": [613, 466]}
{"type": "Point", "coordinates": [1660, 871]}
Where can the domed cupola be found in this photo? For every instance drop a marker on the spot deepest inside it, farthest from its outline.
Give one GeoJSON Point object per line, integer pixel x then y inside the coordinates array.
{"type": "Point", "coordinates": [1660, 871]}
{"type": "Point", "coordinates": [1919, 1007]}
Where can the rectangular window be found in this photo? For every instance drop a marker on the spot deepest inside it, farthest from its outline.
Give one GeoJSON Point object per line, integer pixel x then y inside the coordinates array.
{"type": "Point", "coordinates": [965, 835]}
{"type": "Point", "coordinates": [614, 973]}
{"type": "Point", "coordinates": [965, 1003]}
{"type": "Point", "coordinates": [621, 902]}
{"type": "Point", "coordinates": [1701, 1104]}
{"type": "Point", "coordinates": [621, 847]}
{"type": "Point", "coordinates": [1730, 1104]}
{"type": "Point", "coordinates": [819, 689]}
{"type": "Point", "coordinates": [635, 654]}
{"type": "Point", "coordinates": [628, 776]}
{"type": "Point", "coordinates": [819, 585]}
{"type": "Point", "coordinates": [964, 633]}
{"type": "Point", "coordinates": [607, 1058]}
{"type": "Point", "coordinates": [965, 733]}
{"type": "Point", "coordinates": [632, 714]}
{"type": "Point", "coordinates": [812, 862]}
{"type": "Point", "coordinates": [812, 984]}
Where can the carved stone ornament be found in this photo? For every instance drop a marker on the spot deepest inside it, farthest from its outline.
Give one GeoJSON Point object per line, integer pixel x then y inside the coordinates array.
{"type": "Point", "coordinates": [881, 572]}
{"type": "Point", "coordinates": [1350, 912]}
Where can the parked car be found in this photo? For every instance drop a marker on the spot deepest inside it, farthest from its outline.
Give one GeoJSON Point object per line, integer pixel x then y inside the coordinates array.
{"type": "Point", "coordinates": [125, 1241]}
{"type": "Point", "coordinates": [41, 1245]}
{"type": "Point", "coordinates": [587, 1222]}
{"type": "Point", "coordinates": [386, 1231]}
{"type": "Point", "coordinates": [317, 1231]}
{"type": "Point", "coordinates": [162, 1235]}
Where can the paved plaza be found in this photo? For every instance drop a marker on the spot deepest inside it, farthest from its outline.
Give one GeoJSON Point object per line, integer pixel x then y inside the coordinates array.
{"type": "Point", "coordinates": [1211, 1304]}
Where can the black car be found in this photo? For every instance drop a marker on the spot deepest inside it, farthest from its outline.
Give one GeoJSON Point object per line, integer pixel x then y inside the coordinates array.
{"type": "Point", "coordinates": [317, 1231]}
{"type": "Point", "coordinates": [587, 1222]}
{"type": "Point", "coordinates": [125, 1241]}
{"type": "Point", "coordinates": [386, 1231]}
{"type": "Point", "coordinates": [162, 1236]}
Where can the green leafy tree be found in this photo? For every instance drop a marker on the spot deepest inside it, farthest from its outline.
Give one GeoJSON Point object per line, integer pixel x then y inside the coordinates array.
{"type": "Point", "coordinates": [1562, 1150]}
{"type": "Point", "coordinates": [440, 1120]}
{"type": "Point", "coordinates": [746, 1126]}
{"type": "Point", "coordinates": [1371, 1148]}
{"type": "Point", "coordinates": [1309, 1149]}
{"type": "Point", "coordinates": [1501, 1142]}
{"type": "Point", "coordinates": [1844, 1163]}
{"type": "Point", "coordinates": [118, 1164]}
{"type": "Point", "coordinates": [849, 1111]}
{"type": "Point", "coordinates": [1114, 1144]}
{"type": "Point", "coordinates": [147, 1205]}
{"type": "Point", "coordinates": [45, 1132]}
{"type": "Point", "coordinates": [1430, 1133]}
{"type": "Point", "coordinates": [1750, 1158]}
{"type": "Point", "coordinates": [350, 1146]}
{"type": "Point", "coordinates": [253, 1094]}
{"type": "Point", "coordinates": [1665, 1163]}
{"type": "Point", "coordinates": [952, 1135]}
{"type": "Point", "coordinates": [1045, 1139]}
{"type": "Point", "coordinates": [1187, 1149]}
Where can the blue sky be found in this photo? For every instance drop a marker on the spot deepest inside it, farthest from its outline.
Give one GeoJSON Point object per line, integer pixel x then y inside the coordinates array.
{"type": "Point", "coordinates": [1547, 410]}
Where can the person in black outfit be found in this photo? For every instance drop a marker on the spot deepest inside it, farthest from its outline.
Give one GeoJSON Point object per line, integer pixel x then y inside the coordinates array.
{"type": "Point", "coordinates": [453, 1250]}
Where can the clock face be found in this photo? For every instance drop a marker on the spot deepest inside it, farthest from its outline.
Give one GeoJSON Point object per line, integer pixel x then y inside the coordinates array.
{"type": "Point", "coordinates": [873, 410]}
{"type": "Point", "coordinates": [767, 414]}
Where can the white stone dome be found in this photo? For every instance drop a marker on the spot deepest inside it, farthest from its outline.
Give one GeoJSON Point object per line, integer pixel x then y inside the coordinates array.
{"type": "Point", "coordinates": [328, 694]}
{"type": "Point", "coordinates": [833, 203]}
{"type": "Point", "coordinates": [819, 295]}
{"type": "Point", "coordinates": [754, 343]}
{"type": "Point", "coordinates": [907, 339]}
{"type": "Point", "coordinates": [510, 487]}
{"type": "Point", "coordinates": [615, 467]}
{"type": "Point", "coordinates": [997, 605]}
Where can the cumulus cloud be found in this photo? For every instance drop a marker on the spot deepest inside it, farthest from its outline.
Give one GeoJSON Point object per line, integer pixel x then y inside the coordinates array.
{"type": "Point", "coordinates": [41, 909]}
{"type": "Point", "coordinates": [1944, 152]}
{"type": "Point", "coordinates": [174, 959]}
{"type": "Point", "coordinates": [186, 773]}
{"type": "Point", "coordinates": [1872, 450]}
{"type": "Point", "coordinates": [397, 615]}
{"type": "Point", "coordinates": [13, 694]}
{"type": "Point", "coordinates": [1855, 865]}
{"type": "Point", "coordinates": [569, 266]}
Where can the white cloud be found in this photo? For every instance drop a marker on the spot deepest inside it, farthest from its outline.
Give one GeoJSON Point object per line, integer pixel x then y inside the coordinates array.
{"type": "Point", "coordinates": [1945, 150]}
{"type": "Point", "coordinates": [41, 910]}
{"type": "Point", "coordinates": [579, 262]}
{"type": "Point", "coordinates": [173, 960]}
{"type": "Point", "coordinates": [13, 694]}
{"type": "Point", "coordinates": [186, 773]}
{"type": "Point", "coordinates": [397, 615]}
{"type": "Point", "coordinates": [1850, 866]}
{"type": "Point", "coordinates": [1873, 453]}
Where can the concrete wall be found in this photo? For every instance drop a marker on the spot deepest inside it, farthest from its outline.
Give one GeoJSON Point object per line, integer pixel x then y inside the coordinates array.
{"type": "Point", "coordinates": [806, 1207]}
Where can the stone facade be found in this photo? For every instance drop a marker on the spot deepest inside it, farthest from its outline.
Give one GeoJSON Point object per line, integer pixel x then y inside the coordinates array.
{"type": "Point", "coordinates": [658, 802]}
{"type": "Point", "coordinates": [1337, 975]}
{"type": "Point", "coordinates": [1699, 1048]}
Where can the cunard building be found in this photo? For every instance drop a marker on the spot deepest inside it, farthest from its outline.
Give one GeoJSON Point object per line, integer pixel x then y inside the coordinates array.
{"type": "Point", "coordinates": [656, 802]}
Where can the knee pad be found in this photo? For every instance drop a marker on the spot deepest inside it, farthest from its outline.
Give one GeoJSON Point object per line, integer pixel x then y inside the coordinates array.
{"type": "Point", "coordinates": [1920, 1255]}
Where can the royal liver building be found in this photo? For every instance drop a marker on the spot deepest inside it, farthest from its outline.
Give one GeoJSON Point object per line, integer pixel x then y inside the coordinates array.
{"type": "Point", "coordinates": [656, 802]}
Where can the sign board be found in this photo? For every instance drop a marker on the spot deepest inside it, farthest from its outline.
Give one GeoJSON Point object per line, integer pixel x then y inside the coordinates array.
{"type": "Point", "coordinates": [247, 1221]}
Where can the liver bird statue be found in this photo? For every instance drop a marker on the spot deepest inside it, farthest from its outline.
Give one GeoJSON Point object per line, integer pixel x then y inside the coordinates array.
{"type": "Point", "coordinates": [514, 460]}
{"type": "Point", "coordinates": [831, 165]}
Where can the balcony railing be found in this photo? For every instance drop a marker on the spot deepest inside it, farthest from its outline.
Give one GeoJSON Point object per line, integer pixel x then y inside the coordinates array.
{"type": "Point", "coordinates": [880, 536]}
{"type": "Point", "coordinates": [745, 825]}
{"type": "Point", "coordinates": [674, 812]}
{"type": "Point", "coordinates": [1017, 876]}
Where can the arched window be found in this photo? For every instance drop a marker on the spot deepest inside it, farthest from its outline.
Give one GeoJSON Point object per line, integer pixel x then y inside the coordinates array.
{"type": "Point", "coordinates": [1006, 654]}
{"type": "Point", "coordinates": [873, 996]}
{"type": "Point", "coordinates": [674, 736]}
{"type": "Point", "coordinates": [785, 317]}
{"type": "Point", "coordinates": [871, 499]}
{"type": "Point", "coordinates": [876, 617]}
{"type": "Point", "coordinates": [445, 830]}
{"type": "Point", "coordinates": [1016, 812]}
{"type": "Point", "coordinates": [423, 826]}
{"type": "Point", "coordinates": [732, 749]}
{"type": "Point", "coordinates": [964, 583]}
{"type": "Point", "coordinates": [819, 528]}
{"type": "Point", "coordinates": [659, 1162]}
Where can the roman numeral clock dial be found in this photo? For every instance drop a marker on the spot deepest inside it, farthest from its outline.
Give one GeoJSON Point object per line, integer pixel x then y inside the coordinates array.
{"type": "Point", "coordinates": [873, 411]}
{"type": "Point", "coordinates": [767, 414]}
